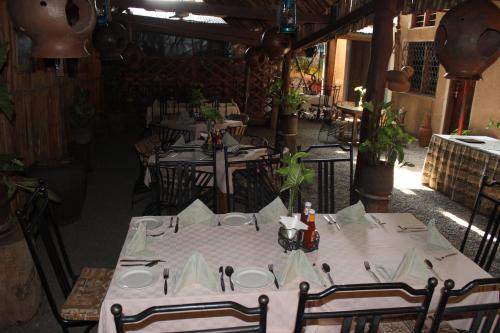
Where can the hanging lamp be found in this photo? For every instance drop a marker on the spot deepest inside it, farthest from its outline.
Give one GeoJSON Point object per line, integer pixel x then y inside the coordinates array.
{"type": "Point", "coordinates": [287, 16]}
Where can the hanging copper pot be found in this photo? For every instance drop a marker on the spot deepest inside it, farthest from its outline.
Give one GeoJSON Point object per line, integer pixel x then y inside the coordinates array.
{"type": "Point", "coordinates": [134, 57]}
{"type": "Point", "coordinates": [256, 57]}
{"type": "Point", "coordinates": [399, 81]}
{"type": "Point", "coordinates": [468, 39]}
{"type": "Point", "coordinates": [111, 40]}
{"type": "Point", "coordinates": [275, 43]}
{"type": "Point", "coordinates": [58, 28]}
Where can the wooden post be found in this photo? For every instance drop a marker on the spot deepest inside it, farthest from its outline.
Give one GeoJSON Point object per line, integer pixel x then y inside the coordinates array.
{"type": "Point", "coordinates": [464, 108]}
{"type": "Point", "coordinates": [281, 136]}
{"type": "Point", "coordinates": [331, 49]}
{"type": "Point", "coordinates": [247, 87]}
{"type": "Point", "coordinates": [382, 45]}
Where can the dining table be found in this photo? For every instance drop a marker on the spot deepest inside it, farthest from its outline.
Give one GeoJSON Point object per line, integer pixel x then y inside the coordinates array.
{"type": "Point", "coordinates": [198, 127]}
{"type": "Point", "coordinates": [244, 247]}
{"type": "Point", "coordinates": [356, 112]}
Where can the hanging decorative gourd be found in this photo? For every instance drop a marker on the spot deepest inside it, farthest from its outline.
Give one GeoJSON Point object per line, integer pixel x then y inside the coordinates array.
{"type": "Point", "coordinates": [58, 28]}
{"type": "Point", "coordinates": [256, 57]}
{"type": "Point", "coordinates": [399, 81]}
{"type": "Point", "coordinates": [111, 40]}
{"type": "Point", "coordinates": [468, 39]}
{"type": "Point", "coordinates": [134, 57]}
{"type": "Point", "coordinates": [287, 17]}
{"type": "Point", "coordinates": [275, 43]}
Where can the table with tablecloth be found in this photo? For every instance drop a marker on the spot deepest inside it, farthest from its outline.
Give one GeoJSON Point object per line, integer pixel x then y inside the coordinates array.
{"type": "Point", "coordinates": [456, 168]}
{"type": "Point", "coordinates": [243, 246]}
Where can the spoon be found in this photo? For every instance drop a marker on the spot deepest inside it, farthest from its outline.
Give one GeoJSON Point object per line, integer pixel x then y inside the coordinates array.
{"type": "Point", "coordinates": [445, 256]}
{"type": "Point", "coordinates": [229, 271]}
{"type": "Point", "coordinates": [429, 265]}
{"type": "Point", "coordinates": [326, 269]}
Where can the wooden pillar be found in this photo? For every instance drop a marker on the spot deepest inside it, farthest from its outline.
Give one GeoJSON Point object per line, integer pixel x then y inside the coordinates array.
{"type": "Point", "coordinates": [247, 88]}
{"type": "Point", "coordinates": [287, 139]}
{"type": "Point", "coordinates": [331, 49]}
{"type": "Point", "coordinates": [381, 49]}
{"type": "Point", "coordinates": [468, 92]}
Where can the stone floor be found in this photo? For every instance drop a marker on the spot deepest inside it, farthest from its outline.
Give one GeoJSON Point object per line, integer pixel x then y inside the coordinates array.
{"type": "Point", "coordinates": [96, 239]}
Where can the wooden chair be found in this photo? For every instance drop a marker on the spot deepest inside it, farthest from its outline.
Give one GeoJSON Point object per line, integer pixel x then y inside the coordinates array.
{"type": "Point", "coordinates": [83, 293]}
{"type": "Point", "coordinates": [489, 243]}
{"type": "Point", "coordinates": [143, 149]}
{"type": "Point", "coordinates": [168, 135]}
{"type": "Point", "coordinates": [324, 168]}
{"type": "Point", "coordinates": [483, 315]}
{"type": "Point", "coordinates": [200, 309]}
{"type": "Point", "coordinates": [360, 319]}
{"type": "Point", "coordinates": [237, 132]}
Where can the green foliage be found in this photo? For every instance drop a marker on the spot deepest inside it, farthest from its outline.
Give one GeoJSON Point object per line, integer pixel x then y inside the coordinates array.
{"type": "Point", "coordinates": [295, 173]}
{"type": "Point", "coordinates": [6, 105]}
{"type": "Point", "coordinates": [294, 102]}
{"type": "Point", "coordinates": [465, 132]}
{"type": "Point", "coordinates": [83, 112]}
{"type": "Point", "coordinates": [211, 116]}
{"type": "Point", "coordinates": [491, 124]}
{"type": "Point", "coordinates": [196, 95]}
{"type": "Point", "coordinates": [274, 90]}
{"type": "Point", "coordinates": [387, 143]}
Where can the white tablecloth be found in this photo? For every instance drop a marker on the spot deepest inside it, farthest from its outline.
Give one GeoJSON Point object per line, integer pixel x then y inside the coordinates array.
{"type": "Point", "coordinates": [197, 128]}
{"type": "Point", "coordinates": [243, 246]}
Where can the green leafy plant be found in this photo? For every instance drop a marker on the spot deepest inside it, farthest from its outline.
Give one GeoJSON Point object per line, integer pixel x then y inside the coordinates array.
{"type": "Point", "coordinates": [295, 173]}
{"type": "Point", "coordinates": [465, 132]}
{"type": "Point", "coordinates": [491, 124]}
{"type": "Point", "coordinates": [211, 116]}
{"type": "Point", "coordinates": [387, 142]}
{"type": "Point", "coordinates": [196, 96]}
{"type": "Point", "coordinates": [361, 91]}
{"type": "Point", "coordinates": [294, 102]}
{"type": "Point", "coordinates": [274, 91]}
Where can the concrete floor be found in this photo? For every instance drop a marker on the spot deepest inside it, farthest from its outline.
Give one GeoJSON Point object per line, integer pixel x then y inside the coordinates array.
{"type": "Point", "coordinates": [96, 239]}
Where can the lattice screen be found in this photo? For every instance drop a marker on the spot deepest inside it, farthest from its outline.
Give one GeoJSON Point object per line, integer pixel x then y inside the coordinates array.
{"type": "Point", "coordinates": [421, 56]}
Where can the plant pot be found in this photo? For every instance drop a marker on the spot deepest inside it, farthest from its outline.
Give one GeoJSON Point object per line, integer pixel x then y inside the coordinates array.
{"type": "Point", "coordinates": [377, 180]}
{"type": "Point", "coordinates": [425, 131]}
{"type": "Point", "coordinates": [289, 124]}
{"type": "Point", "coordinates": [69, 180]}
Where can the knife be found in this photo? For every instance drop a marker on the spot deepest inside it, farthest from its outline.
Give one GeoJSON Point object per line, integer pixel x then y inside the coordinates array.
{"type": "Point", "coordinates": [256, 224]}
{"type": "Point", "coordinates": [222, 284]}
{"type": "Point", "coordinates": [176, 225]}
{"type": "Point", "coordinates": [335, 221]}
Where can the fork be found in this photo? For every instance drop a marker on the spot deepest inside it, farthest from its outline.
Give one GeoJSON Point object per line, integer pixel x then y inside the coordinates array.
{"type": "Point", "coordinates": [166, 274]}
{"type": "Point", "coordinates": [368, 269]}
{"type": "Point", "coordinates": [376, 219]}
{"type": "Point", "coordinates": [445, 256]}
{"type": "Point", "coordinates": [271, 269]}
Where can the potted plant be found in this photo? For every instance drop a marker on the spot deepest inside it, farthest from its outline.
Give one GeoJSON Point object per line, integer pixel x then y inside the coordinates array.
{"type": "Point", "coordinates": [211, 116]}
{"type": "Point", "coordinates": [292, 105]}
{"type": "Point", "coordinates": [295, 173]}
{"type": "Point", "coordinates": [384, 148]}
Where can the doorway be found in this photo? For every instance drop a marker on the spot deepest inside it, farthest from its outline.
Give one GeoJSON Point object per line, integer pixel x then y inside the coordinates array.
{"type": "Point", "coordinates": [458, 94]}
{"type": "Point", "coordinates": [358, 62]}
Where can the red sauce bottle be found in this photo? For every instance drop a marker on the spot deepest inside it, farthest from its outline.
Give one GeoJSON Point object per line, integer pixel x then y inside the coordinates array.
{"type": "Point", "coordinates": [310, 233]}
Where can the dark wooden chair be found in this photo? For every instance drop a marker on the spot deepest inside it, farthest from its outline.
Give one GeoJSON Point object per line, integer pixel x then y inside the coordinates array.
{"type": "Point", "coordinates": [371, 317]}
{"type": "Point", "coordinates": [236, 132]}
{"type": "Point", "coordinates": [168, 135]}
{"type": "Point", "coordinates": [255, 181]}
{"type": "Point", "coordinates": [178, 183]}
{"type": "Point", "coordinates": [489, 243]}
{"type": "Point", "coordinates": [143, 149]}
{"type": "Point", "coordinates": [201, 309]}
{"type": "Point", "coordinates": [324, 168]}
{"type": "Point", "coordinates": [83, 293]}
{"type": "Point", "coordinates": [483, 315]}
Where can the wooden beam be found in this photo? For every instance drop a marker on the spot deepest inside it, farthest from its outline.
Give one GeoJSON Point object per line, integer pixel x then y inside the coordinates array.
{"type": "Point", "coordinates": [323, 33]}
{"type": "Point", "coordinates": [248, 13]}
{"type": "Point", "coordinates": [221, 32]}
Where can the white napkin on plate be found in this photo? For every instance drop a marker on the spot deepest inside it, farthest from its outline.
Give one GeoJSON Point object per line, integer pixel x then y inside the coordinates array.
{"type": "Point", "coordinates": [228, 140]}
{"type": "Point", "coordinates": [412, 264]}
{"type": "Point", "coordinates": [298, 266]}
{"type": "Point", "coordinates": [181, 141]}
{"type": "Point", "coordinates": [196, 271]}
{"type": "Point", "coordinates": [196, 213]}
{"type": "Point", "coordinates": [352, 214]}
{"type": "Point", "coordinates": [272, 212]}
{"type": "Point", "coordinates": [137, 246]}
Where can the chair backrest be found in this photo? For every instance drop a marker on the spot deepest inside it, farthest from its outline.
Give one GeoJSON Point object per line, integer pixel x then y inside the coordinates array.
{"type": "Point", "coordinates": [243, 117]}
{"type": "Point", "coordinates": [489, 243]}
{"type": "Point", "coordinates": [372, 317]}
{"type": "Point", "coordinates": [483, 315]}
{"type": "Point", "coordinates": [255, 181]}
{"type": "Point", "coordinates": [168, 135]}
{"type": "Point", "coordinates": [180, 182]}
{"type": "Point", "coordinates": [45, 242]}
{"type": "Point", "coordinates": [201, 309]}
{"type": "Point", "coordinates": [324, 168]}
{"type": "Point", "coordinates": [237, 132]}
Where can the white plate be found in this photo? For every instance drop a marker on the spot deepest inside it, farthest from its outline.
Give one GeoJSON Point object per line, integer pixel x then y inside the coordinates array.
{"type": "Point", "coordinates": [253, 277]}
{"type": "Point", "coordinates": [152, 222]}
{"type": "Point", "coordinates": [137, 278]}
{"type": "Point", "coordinates": [236, 219]}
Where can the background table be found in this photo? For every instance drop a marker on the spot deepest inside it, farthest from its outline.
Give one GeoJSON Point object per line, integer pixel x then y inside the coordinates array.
{"type": "Point", "coordinates": [243, 246]}
{"type": "Point", "coordinates": [456, 168]}
{"type": "Point", "coordinates": [356, 112]}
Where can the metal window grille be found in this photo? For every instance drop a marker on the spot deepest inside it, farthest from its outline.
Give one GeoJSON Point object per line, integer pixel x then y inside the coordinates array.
{"type": "Point", "coordinates": [421, 56]}
{"type": "Point", "coordinates": [425, 19]}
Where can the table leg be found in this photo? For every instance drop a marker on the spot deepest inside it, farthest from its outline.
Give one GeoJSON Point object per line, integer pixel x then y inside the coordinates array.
{"type": "Point", "coordinates": [222, 207]}
{"type": "Point", "coordinates": [355, 129]}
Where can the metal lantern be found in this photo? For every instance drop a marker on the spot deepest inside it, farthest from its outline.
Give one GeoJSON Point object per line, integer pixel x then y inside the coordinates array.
{"type": "Point", "coordinates": [102, 8]}
{"type": "Point", "coordinates": [287, 16]}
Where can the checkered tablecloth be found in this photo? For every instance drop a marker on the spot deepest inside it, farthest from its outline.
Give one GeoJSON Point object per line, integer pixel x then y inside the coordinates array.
{"type": "Point", "coordinates": [243, 246]}
{"type": "Point", "coordinates": [456, 168]}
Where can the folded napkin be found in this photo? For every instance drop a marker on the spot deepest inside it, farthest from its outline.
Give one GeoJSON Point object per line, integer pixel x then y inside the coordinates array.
{"type": "Point", "coordinates": [292, 223]}
{"type": "Point", "coordinates": [196, 213]}
{"type": "Point", "coordinates": [412, 264]}
{"type": "Point", "coordinates": [228, 140]}
{"type": "Point", "coordinates": [181, 141]}
{"type": "Point", "coordinates": [196, 271]}
{"type": "Point", "coordinates": [137, 246]}
{"type": "Point", "coordinates": [352, 214]}
{"type": "Point", "coordinates": [298, 266]}
{"type": "Point", "coordinates": [434, 238]}
{"type": "Point", "coordinates": [272, 212]}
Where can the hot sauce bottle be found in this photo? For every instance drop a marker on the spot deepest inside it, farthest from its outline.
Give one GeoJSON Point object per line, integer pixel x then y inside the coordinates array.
{"type": "Point", "coordinates": [310, 233]}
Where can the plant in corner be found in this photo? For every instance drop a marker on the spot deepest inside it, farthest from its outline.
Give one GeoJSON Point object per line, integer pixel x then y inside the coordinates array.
{"type": "Point", "coordinates": [384, 147]}
{"type": "Point", "coordinates": [295, 173]}
{"type": "Point", "coordinates": [211, 116]}
{"type": "Point", "coordinates": [293, 103]}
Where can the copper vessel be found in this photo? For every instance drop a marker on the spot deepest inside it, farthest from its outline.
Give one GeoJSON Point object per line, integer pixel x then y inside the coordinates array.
{"type": "Point", "coordinates": [111, 40]}
{"type": "Point", "coordinates": [58, 28]}
{"type": "Point", "coordinates": [275, 43]}
{"type": "Point", "coordinates": [399, 81]}
{"type": "Point", "coordinates": [256, 57]}
{"type": "Point", "coordinates": [468, 39]}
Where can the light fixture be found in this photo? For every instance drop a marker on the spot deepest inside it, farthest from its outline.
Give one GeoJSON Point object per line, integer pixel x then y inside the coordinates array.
{"type": "Point", "coordinates": [287, 16]}
{"type": "Point", "coordinates": [102, 9]}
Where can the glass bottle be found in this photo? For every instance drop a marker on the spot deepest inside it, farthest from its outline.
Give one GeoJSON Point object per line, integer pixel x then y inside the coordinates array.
{"type": "Point", "coordinates": [310, 233]}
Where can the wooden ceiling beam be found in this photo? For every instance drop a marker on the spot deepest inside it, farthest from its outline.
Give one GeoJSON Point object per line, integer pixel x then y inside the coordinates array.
{"type": "Point", "coordinates": [350, 18]}
{"type": "Point", "coordinates": [221, 32]}
{"type": "Point", "coordinates": [200, 8]}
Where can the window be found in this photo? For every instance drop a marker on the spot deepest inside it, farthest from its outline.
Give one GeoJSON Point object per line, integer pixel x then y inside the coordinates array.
{"type": "Point", "coordinates": [427, 19]}
{"type": "Point", "coordinates": [421, 56]}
